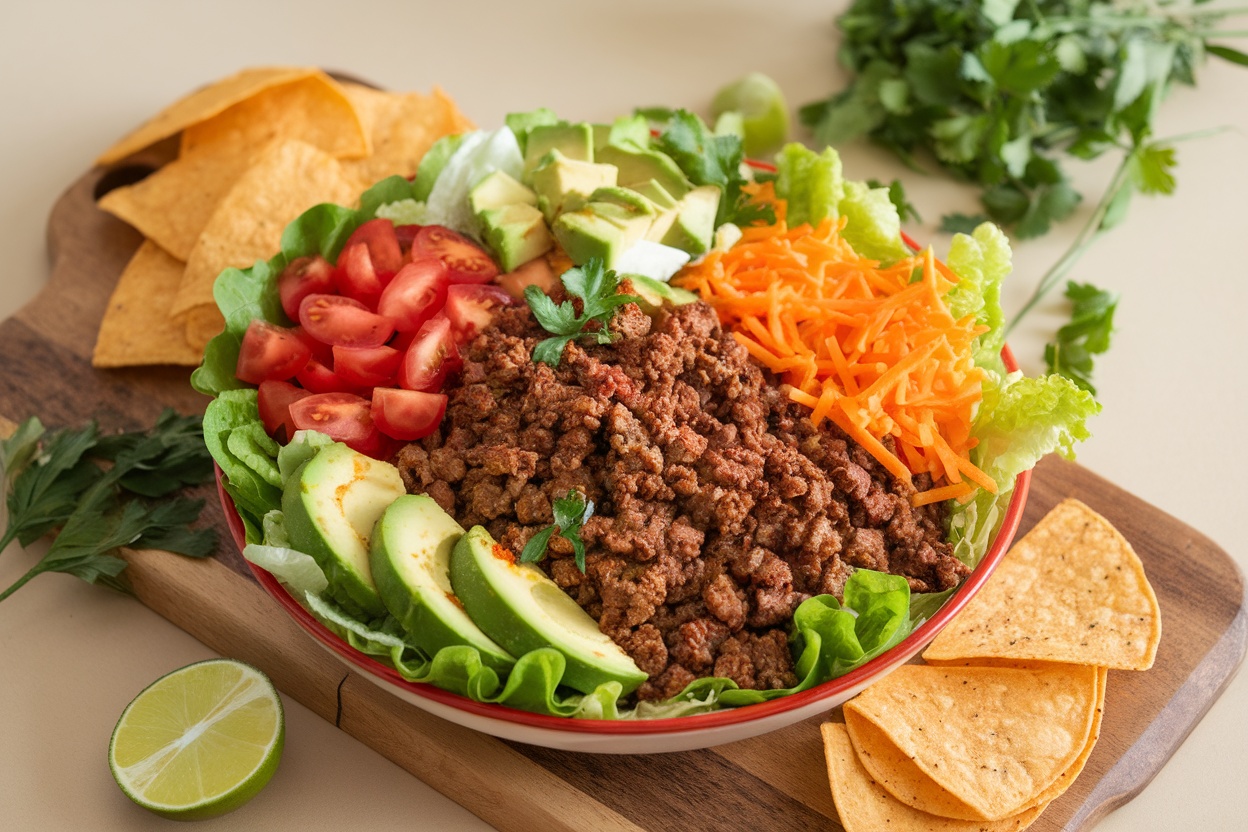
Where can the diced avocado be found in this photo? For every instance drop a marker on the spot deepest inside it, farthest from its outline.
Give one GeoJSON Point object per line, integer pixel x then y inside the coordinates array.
{"type": "Point", "coordinates": [431, 165]}
{"type": "Point", "coordinates": [522, 609]}
{"type": "Point", "coordinates": [666, 209]}
{"type": "Point", "coordinates": [410, 556]}
{"type": "Point", "coordinates": [624, 129]}
{"type": "Point", "coordinates": [521, 123]}
{"type": "Point", "coordinates": [330, 506]}
{"type": "Point", "coordinates": [730, 123]}
{"type": "Point", "coordinates": [657, 194]}
{"type": "Point", "coordinates": [695, 221]}
{"type": "Point", "coordinates": [516, 233]}
{"type": "Point", "coordinates": [564, 184]}
{"type": "Point", "coordinates": [655, 294]}
{"type": "Point", "coordinates": [575, 141]}
{"type": "Point", "coordinates": [625, 198]}
{"type": "Point", "coordinates": [637, 164]}
{"type": "Point", "coordinates": [497, 190]}
{"type": "Point", "coordinates": [604, 233]}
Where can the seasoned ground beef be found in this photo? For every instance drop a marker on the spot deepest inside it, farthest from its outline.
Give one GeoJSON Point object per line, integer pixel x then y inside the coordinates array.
{"type": "Point", "coordinates": [718, 506]}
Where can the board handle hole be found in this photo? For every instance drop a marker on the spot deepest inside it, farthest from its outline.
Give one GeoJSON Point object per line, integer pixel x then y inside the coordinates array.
{"type": "Point", "coordinates": [120, 177]}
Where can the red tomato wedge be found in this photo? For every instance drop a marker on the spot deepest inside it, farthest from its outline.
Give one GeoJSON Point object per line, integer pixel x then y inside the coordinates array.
{"type": "Point", "coordinates": [344, 417]}
{"type": "Point", "coordinates": [407, 414]}
{"type": "Point", "coordinates": [406, 234]}
{"type": "Point", "coordinates": [323, 353]}
{"type": "Point", "coordinates": [343, 322]}
{"type": "Point", "coordinates": [416, 294]}
{"type": "Point", "coordinates": [465, 261]}
{"type": "Point", "coordinates": [470, 307]}
{"type": "Point", "coordinates": [384, 248]}
{"type": "Point", "coordinates": [356, 276]}
{"type": "Point", "coordinates": [304, 276]}
{"type": "Point", "coordinates": [367, 366]}
{"type": "Point", "coordinates": [319, 377]}
{"type": "Point", "coordinates": [432, 355]}
{"type": "Point", "coordinates": [269, 352]}
{"type": "Point", "coordinates": [274, 400]}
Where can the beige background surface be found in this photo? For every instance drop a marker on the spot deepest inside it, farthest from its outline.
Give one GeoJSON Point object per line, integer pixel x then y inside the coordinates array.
{"type": "Point", "coordinates": [76, 75]}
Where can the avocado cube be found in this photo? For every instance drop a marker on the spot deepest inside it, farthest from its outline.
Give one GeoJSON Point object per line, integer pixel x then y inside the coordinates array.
{"type": "Point", "coordinates": [497, 190]}
{"type": "Point", "coordinates": [516, 234]}
{"type": "Point", "coordinates": [625, 198]}
{"type": "Point", "coordinates": [637, 165]}
{"type": "Point", "coordinates": [564, 184]}
{"type": "Point", "coordinates": [575, 141]}
{"type": "Point", "coordinates": [588, 233]}
{"type": "Point", "coordinates": [694, 225]}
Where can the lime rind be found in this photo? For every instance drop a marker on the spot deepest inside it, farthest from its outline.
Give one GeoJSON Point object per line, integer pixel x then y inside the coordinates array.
{"type": "Point", "coordinates": [764, 112]}
{"type": "Point", "coordinates": [136, 776]}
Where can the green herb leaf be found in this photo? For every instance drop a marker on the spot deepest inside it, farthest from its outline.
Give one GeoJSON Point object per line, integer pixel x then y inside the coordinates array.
{"type": "Point", "coordinates": [596, 287]}
{"type": "Point", "coordinates": [1086, 336]}
{"type": "Point", "coordinates": [571, 512]}
{"type": "Point", "coordinates": [64, 484]}
{"type": "Point", "coordinates": [897, 196]}
{"type": "Point", "coordinates": [708, 159]}
{"type": "Point", "coordinates": [957, 223]}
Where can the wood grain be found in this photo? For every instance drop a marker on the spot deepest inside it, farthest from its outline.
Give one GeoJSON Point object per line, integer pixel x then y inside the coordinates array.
{"type": "Point", "coordinates": [774, 782]}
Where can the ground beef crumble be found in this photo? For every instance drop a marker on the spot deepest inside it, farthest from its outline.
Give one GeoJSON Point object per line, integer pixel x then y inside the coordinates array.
{"type": "Point", "coordinates": [718, 506]}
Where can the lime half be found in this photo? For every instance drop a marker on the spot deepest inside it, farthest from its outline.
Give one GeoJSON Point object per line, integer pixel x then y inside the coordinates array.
{"type": "Point", "coordinates": [763, 110]}
{"type": "Point", "coordinates": [200, 741]}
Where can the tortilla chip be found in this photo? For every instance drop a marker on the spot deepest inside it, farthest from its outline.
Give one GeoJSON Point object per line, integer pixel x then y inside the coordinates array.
{"type": "Point", "coordinates": [313, 109]}
{"type": "Point", "coordinates": [1072, 590]}
{"type": "Point", "coordinates": [287, 178]}
{"type": "Point", "coordinates": [200, 105]}
{"type": "Point", "coordinates": [202, 324]}
{"type": "Point", "coordinates": [173, 205]}
{"type": "Point", "coordinates": [402, 127]}
{"type": "Point", "coordinates": [137, 327]}
{"type": "Point", "coordinates": [994, 738]}
{"type": "Point", "coordinates": [864, 806]}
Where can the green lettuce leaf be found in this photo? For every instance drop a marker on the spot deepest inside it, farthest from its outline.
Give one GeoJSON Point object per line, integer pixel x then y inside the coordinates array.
{"type": "Point", "coordinates": [872, 224]}
{"type": "Point", "coordinates": [982, 261]}
{"type": "Point", "coordinates": [246, 462]}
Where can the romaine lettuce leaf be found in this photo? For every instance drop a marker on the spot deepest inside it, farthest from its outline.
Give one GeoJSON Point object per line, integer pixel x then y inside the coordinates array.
{"type": "Point", "coordinates": [982, 261]}
{"type": "Point", "coordinates": [248, 478]}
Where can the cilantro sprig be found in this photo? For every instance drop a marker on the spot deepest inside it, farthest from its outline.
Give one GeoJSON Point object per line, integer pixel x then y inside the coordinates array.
{"type": "Point", "coordinates": [710, 159]}
{"type": "Point", "coordinates": [91, 488]}
{"type": "Point", "coordinates": [1087, 335]}
{"type": "Point", "coordinates": [571, 512]}
{"type": "Point", "coordinates": [596, 286]}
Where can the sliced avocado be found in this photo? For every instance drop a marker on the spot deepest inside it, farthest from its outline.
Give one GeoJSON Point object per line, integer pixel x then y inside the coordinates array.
{"type": "Point", "coordinates": [575, 141]}
{"type": "Point", "coordinates": [599, 230]}
{"type": "Point", "coordinates": [517, 233]}
{"type": "Point", "coordinates": [431, 165]}
{"type": "Point", "coordinates": [564, 184]}
{"type": "Point", "coordinates": [330, 506]}
{"type": "Point", "coordinates": [695, 221]}
{"type": "Point", "coordinates": [625, 198]}
{"type": "Point", "coordinates": [410, 556]}
{"type": "Point", "coordinates": [499, 189]}
{"type": "Point", "coordinates": [637, 164]}
{"type": "Point", "coordinates": [522, 609]}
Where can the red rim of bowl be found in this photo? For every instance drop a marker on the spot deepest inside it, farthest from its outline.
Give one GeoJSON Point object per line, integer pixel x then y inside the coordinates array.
{"type": "Point", "coordinates": [670, 725]}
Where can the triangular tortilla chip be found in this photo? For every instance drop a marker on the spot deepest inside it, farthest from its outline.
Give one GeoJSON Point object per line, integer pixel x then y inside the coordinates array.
{"type": "Point", "coordinates": [402, 127]}
{"type": "Point", "coordinates": [864, 806]}
{"type": "Point", "coordinates": [200, 105]}
{"type": "Point", "coordinates": [994, 738]}
{"type": "Point", "coordinates": [137, 328]}
{"type": "Point", "coordinates": [286, 179]}
{"type": "Point", "coordinates": [1071, 590]}
{"type": "Point", "coordinates": [313, 109]}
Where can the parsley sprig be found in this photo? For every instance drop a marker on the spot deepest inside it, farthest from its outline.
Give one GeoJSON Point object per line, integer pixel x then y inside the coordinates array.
{"type": "Point", "coordinates": [596, 286]}
{"type": "Point", "coordinates": [1087, 335]}
{"type": "Point", "coordinates": [571, 512]}
{"type": "Point", "coordinates": [91, 488]}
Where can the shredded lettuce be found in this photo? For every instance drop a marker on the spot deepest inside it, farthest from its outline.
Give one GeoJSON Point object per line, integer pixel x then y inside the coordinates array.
{"type": "Point", "coordinates": [478, 155]}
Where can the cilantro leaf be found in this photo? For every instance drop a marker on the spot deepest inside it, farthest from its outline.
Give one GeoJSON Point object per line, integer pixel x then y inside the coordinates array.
{"type": "Point", "coordinates": [596, 287]}
{"type": "Point", "coordinates": [1087, 335]}
{"type": "Point", "coordinates": [708, 159]}
{"type": "Point", "coordinates": [571, 512]}
{"type": "Point", "coordinates": [958, 223]}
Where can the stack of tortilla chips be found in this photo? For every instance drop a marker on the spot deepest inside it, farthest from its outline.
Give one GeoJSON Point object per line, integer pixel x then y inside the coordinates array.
{"type": "Point", "coordinates": [257, 149]}
{"type": "Point", "coordinates": [1005, 713]}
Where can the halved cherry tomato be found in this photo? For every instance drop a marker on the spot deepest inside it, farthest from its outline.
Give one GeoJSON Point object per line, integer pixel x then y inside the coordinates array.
{"type": "Point", "coordinates": [344, 417]}
{"type": "Point", "coordinates": [367, 366]}
{"type": "Point", "coordinates": [407, 414]}
{"type": "Point", "coordinates": [470, 308]}
{"type": "Point", "coordinates": [432, 355]}
{"type": "Point", "coordinates": [269, 351]}
{"type": "Point", "coordinates": [304, 276]}
{"type": "Point", "coordinates": [465, 261]}
{"type": "Point", "coordinates": [405, 235]}
{"type": "Point", "coordinates": [323, 353]}
{"type": "Point", "coordinates": [274, 400]}
{"type": "Point", "coordinates": [319, 377]}
{"type": "Point", "coordinates": [356, 276]}
{"type": "Point", "coordinates": [383, 244]}
{"type": "Point", "coordinates": [343, 322]}
{"type": "Point", "coordinates": [416, 294]}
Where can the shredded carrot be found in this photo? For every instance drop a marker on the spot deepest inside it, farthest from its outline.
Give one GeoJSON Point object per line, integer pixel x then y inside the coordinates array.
{"type": "Point", "coordinates": [872, 348]}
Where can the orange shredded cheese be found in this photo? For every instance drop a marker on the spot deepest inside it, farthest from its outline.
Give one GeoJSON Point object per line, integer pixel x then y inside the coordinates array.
{"type": "Point", "coordinates": [874, 349]}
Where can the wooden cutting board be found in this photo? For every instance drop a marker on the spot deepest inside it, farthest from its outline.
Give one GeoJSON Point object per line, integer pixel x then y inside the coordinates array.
{"type": "Point", "coordinates": [773, 782]}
